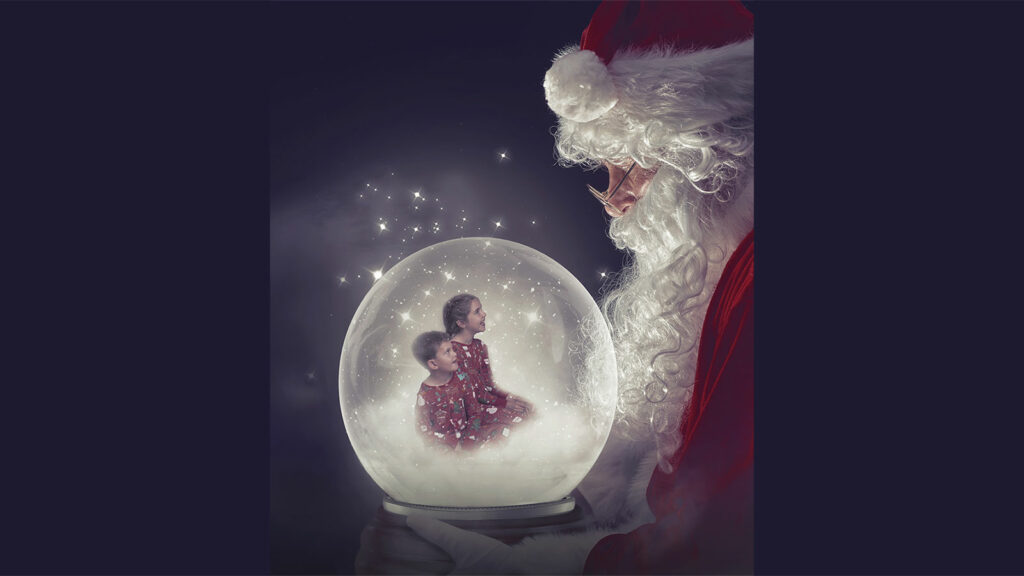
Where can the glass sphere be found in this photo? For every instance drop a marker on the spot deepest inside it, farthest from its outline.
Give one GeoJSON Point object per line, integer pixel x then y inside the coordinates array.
{"type": "Point", "coordinates": [547, 342]}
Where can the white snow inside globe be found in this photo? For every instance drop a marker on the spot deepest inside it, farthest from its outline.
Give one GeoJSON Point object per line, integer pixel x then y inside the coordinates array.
{"type": "Point", "coordinates": [547, 342]}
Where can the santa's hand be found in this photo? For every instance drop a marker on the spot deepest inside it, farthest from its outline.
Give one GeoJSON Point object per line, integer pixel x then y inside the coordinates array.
{"type": "Point", "coordinates": [472, 552]}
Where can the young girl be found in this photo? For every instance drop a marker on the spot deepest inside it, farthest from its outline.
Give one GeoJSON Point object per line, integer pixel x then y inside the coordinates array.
{"type": "Point", "coordinates": [464, 318]}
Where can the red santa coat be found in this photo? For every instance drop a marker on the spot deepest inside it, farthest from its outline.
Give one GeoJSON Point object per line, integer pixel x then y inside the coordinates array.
{"type": "Point", "coordinates": [704, 507]}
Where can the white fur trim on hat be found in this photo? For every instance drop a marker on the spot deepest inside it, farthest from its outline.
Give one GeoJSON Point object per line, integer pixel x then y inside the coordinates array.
{"type": "Point", "coordinates": [579, 87]}
{"type": "Point", "coordinates": [676, 89]}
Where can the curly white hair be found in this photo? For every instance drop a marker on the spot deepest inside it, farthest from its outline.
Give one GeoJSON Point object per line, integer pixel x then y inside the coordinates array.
{"type": "Point", "coordinates": [690, 117]}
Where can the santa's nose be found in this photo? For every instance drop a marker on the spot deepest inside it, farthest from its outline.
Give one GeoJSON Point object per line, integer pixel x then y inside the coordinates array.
{"type": "Point", "coordinates": [625, 196]}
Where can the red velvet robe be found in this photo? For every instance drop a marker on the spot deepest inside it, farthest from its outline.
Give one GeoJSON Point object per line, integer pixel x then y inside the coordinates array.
{"type": "Point", "coordinates": [704, 508]}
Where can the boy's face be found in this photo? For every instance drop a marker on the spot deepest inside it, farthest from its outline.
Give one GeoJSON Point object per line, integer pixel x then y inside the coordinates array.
{"type": "Point", "coordinates": [445, 359]}
{"type": "Point", "coordinates": [476, 320]}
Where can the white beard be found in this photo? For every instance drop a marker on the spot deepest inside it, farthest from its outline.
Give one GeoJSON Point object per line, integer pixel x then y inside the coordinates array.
{"type": "Point", "coordinates": [681, 240]}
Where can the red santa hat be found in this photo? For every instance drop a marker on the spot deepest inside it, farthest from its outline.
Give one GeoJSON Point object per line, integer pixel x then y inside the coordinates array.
{"type": "Point", "coordinates": [635, 52]}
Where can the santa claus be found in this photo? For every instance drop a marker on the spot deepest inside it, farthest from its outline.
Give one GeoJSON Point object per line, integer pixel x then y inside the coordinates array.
{"type": "Point", "coordinates": [661, 96]}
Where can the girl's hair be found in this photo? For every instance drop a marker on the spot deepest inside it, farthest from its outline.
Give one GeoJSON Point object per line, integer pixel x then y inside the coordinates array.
{"type": "Point", "coordinates": [455, 309]}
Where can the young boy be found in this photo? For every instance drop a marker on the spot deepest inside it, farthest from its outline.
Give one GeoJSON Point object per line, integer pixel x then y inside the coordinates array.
{"type": "Point", "coordinates": [444, 413]}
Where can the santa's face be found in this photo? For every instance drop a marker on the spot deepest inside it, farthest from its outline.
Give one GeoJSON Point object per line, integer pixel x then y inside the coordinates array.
{"type": "Point", "coordinates": [632, 188]}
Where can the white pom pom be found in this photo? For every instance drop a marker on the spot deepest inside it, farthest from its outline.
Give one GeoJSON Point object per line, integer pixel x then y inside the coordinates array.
{"type": "Point", "coordinates": [579, 87]}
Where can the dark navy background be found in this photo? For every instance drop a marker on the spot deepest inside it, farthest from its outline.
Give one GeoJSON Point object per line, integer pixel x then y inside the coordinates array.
{"type": "Point", "coordinates": [137, 409]}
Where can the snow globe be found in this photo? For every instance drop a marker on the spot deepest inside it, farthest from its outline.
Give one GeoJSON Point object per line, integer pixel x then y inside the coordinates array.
{"type": "Point", "coordinates": [547, 342]}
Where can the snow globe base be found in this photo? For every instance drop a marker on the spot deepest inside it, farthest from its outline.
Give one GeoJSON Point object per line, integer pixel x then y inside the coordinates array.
{"type": "Point", "coordinates": [388, 546]}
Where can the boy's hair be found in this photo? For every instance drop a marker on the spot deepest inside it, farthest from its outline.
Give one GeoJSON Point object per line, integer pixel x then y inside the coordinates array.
{"type": "Point", "coordinates": [455, 309]}
{"type": "Point", "coordinates": [424, 347]}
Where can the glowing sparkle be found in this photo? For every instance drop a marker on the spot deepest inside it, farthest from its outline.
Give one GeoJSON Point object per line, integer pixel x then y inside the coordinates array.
{"type": "Point", "coordinates": [602, 274]}
{"type": "Point", "coordinates": [416, 194]}
{"type": "Point", "coordinates": [404, 316]}
{"type": "Point", "coordinates": [342, 280]}
{"type": "Point", "coordinates": [497, 224]}
{"type": "Point", "coordinates": [377, 274]}
{"type": "Point", "coordinates": [383, 226]}
{"type": "Point", "coordinates": [532, 317]}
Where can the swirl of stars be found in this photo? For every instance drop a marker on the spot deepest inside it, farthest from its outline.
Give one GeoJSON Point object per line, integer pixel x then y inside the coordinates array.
{"type": "Point", "coordinates": [404, 219]}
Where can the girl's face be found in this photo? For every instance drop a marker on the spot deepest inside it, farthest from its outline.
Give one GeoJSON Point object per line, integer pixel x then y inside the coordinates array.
{"type": "Point", "coordinates": [476, 320]}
